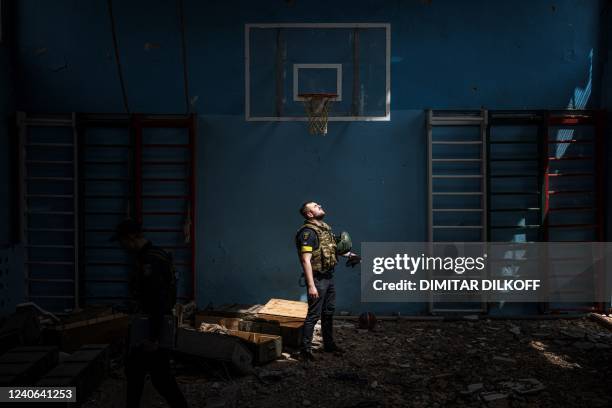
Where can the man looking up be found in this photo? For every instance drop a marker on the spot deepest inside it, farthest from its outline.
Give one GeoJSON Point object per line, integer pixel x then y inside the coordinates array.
{"type": "Point", "coordinates": [318, 249]}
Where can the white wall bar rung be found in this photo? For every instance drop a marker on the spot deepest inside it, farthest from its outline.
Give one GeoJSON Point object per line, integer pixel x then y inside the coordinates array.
{"type": "Point", "coordinates": [478, 193]}
{"type": "Point", "coordinates": [49, 195]}
{"type": "Point", "coordinates": [457, 209]}
{"type": "Point", "coordinates": [456, 159]}
{"type": "Point", "coordinates": [456, 123]}
{"type": "Point", "coordinates": [47, 120]}
{"type": "Point", "coordinates": [44, 123]}
{"type": "Point", "coordinates": [49, 178]}
{"type": "Point", "coordinates": [58, 263]}
{"type": "Point", "coordinates": [460, 176]}
{"type": "Point", "coordinates": [457, 142]}
{"type": "Point", "coordinates": [50, 212]}
{"type": "Point", "coordinates": [56, 162]}
{"type": "Point", "coordinates": [51, 229]}
{"type": "Point", "coordinates": [515, 209]}
{"type": "Point", "coordinates": [50, 246]}
{"type": "Point", "coordinates": [457, 226]}
{"type": "Point", "coordinates": [467, 215]}
{"type": "Point", "coordinates": [39, 229]}
{"type": "Point", "coordinates": [49, 145]}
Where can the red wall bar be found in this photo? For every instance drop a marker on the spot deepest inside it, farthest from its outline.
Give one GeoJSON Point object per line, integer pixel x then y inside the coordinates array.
{"type": "Point", "coordinates": [192, 142]}
{"type": "Point", "coordinates": [137, 129]}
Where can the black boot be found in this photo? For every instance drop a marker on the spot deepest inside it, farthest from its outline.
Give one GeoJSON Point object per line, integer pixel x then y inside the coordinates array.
{"type": "Point", "coordinates": [306, 356]}
{"type": "Point", "coordinates": [333, 348]}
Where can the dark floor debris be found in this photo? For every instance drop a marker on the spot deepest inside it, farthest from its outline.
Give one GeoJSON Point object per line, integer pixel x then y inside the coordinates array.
{"type": "Point", "coordinates": [480, 363]}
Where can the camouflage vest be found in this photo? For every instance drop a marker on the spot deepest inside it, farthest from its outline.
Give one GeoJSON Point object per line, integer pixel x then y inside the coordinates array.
{"type": "Point", "coordinates": [324, 256]}
{"type": "Point", "coordinates": [166, 259]}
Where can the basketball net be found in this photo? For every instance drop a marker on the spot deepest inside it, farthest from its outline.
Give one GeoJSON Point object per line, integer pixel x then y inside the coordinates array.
{"type": "Point", "coordinates": [317, 108]}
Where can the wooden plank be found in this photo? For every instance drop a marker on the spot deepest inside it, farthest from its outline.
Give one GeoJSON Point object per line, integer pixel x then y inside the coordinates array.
{"type": "Point", "coordinates": [85, 370]}
{"type": "Point", "coordinates": [25, 325]}
{"type": "Point", "coordinates": [232, 310]}
{"type": "Point", "coordinates": [89, 322]}
{"type": "Point", "coordinates": [25, 365]}
{"type": "Point", "coordinates": [265, 348]}
{"type": "Point", "coordinates": [256, 325]}
{"type": "Point", "coordinates": [215, 346]}
{"type": "Point", "coordinates": [286, 308]}
{"type": "Point", "coordinates": [604, 321]}
{"type": "Point", "coordinates": [106, 329]}
{"type": "Point", "coordinates": [290, 327]}
{"type": "Point", "coordinates": [278, 317]}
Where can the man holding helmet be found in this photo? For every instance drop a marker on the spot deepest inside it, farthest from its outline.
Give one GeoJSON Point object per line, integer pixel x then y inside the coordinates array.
{"type": "Point", "coordinates": [318, 250]}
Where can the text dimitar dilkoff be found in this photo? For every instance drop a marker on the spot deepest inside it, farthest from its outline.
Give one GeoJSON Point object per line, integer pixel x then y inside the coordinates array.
{"type": "Point", "coordinates": [459, 285]}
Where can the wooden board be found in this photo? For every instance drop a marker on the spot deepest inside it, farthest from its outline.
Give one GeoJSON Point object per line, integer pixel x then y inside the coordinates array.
{"type": "Point", "coordinates": [85, 369]}
{"type": "Point", "coordinates": [278, 317]}
{"type": "Point", "coordinates": [215, 346]}
{"type": "Point", "coordinates": [232, 310]}
{"type": "Point", "coordinates": [285, 308]}
{"type": "Point", "coordinates": [25, 365]}
{"type": "Point", "coordinates": [264, 347]}
{"type": "Point", "coordinates": [257, 325]}
{"type": "Point", "coordinates": [290, 328]}
{"type": "Point", "coordinates": [106, 329]}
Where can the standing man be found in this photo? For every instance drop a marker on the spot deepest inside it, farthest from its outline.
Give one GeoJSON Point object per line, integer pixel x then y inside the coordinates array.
{"type": "Point", "coordinates": [153, 288]}
{"type": "Point", "coordinates": [318, 250]}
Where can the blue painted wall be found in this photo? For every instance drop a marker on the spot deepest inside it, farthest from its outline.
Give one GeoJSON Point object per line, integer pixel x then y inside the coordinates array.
{"type": "Point", "coordinates": [6, 109]}
{"type": "Point", "coordinates": [606, 102]}
{"type": "Point", "coordinates": [253, 176]}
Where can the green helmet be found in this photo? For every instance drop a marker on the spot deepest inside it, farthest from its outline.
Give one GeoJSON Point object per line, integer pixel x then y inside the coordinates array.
{"type": "Point", "coordinates": [343, 243]}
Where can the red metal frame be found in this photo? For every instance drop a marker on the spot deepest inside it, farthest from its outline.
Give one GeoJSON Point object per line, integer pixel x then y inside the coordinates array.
{"type": "Point", "coordinates": [569, 119]}
{"type": "Point", "coordinates": [600, 121]}
{"type": "Point", "coordinates": [137, 129]}
{"type": "Point", "coordinates": [136, 123]}
{"type": "Point", "coordinates": [188, 122]}
{"type": "Point", "coordinates": [192, 141]}
{"type": "Point", "coordinates": [546, 181]}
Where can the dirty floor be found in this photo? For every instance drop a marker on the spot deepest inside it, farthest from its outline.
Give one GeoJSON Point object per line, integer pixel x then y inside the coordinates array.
{"type": "Point", "coordinates": [483, 363]}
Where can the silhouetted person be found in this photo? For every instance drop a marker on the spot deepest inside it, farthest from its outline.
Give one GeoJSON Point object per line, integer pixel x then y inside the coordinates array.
{"type": "Point", "coordinates": [153, 289]}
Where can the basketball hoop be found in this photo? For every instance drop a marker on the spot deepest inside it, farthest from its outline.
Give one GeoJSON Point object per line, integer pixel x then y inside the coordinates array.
{"type": "Point", "coordinates": [317, 107]}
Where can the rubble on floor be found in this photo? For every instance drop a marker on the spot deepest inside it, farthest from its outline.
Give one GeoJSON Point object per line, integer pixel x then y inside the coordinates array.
{"type": "Point", "coordinates": [278, 317]}
{"type": "Point", "coordinates": [242, 335]}
{"type": "Point", "coordinates": [31, 325]}
{"type": "Point", "coordinates": [213, 328]}
{"type": "Point", "coordinates": [480, 363]}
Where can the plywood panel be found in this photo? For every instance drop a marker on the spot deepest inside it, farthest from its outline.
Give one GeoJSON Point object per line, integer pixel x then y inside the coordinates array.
{"type": "Point", "coordinates": [286, 308]}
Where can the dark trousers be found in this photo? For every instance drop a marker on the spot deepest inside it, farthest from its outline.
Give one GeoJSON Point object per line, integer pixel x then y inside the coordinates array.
{"type": "Point", "coordinates": [322, 307]}
{"type": "Point", "coordinates": [156, 363]}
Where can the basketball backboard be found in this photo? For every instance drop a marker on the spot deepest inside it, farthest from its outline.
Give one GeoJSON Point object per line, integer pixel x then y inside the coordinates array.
{"type": "Point", "coordinates": [351, 60]}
